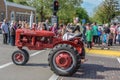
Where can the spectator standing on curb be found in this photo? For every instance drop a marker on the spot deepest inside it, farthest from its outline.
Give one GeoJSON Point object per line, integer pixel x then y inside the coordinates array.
{"type": "Point", "coordinates": [95, 33]}
{"type": "Point", "coordinates": [34, 26]}
{"type": "Point", "coordinates": [106, 28]}
{"type": "Point", "coordinates": [113, 29]}
{"type": "Point", "coordinates": [89, 37]}
{"type": "Point", "coordinates": [99, 35]}
{"type": "Point", "coordinates": [12, 33]}
{"type": "Point", "coordinates": [83, 33]}
{"type": "Point", "coordinates": [54, 28]}
{"type": "Point", "coordinates": [5, 31]}
{"type": "Point", "coordinates": [19, 25]}
{"type": "Point", "coordinates": [105, 40]}
{"type": "Point", "coordinates": [61, 30]}
{"type": "Point", "coordinates": [23, 25]}
{"type": "Point", "coordinates": [110, 40]}
{"type": "Point", "coordinates": [43, 26]}
{"type": "Point", "coordinates": [118, 34]}
{"type": "Point", "coordinates": [47, 24]}
{"type": "Point", "coordinates": [39, 26]}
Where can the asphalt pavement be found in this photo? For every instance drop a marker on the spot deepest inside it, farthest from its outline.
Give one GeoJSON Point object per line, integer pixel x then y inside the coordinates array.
{"type": "Point", "coordinates": [36, 69]}
{"type": "Point", "coordinates": [97, 68]}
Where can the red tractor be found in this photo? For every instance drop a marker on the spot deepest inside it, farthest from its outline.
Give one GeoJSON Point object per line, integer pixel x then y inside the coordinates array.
{"type": "Point", "coordinates": [65, 55]}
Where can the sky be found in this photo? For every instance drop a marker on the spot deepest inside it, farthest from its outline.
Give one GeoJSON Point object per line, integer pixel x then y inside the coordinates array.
{"type": "Point", "coordinates": [90, 5]}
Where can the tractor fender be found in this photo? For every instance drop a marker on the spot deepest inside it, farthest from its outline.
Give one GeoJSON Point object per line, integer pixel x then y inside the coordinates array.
{"type": "Point", "coordinates": [65, 42]}
{"type": "Point", "coordinates": [77, 46]}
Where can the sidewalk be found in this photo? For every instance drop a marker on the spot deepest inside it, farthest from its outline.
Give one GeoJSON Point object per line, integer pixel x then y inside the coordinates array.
{"type": "Point", "coordinates": [113, 51]}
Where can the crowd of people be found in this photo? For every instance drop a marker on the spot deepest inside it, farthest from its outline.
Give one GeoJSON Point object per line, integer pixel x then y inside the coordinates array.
{"type": "Point", "coordinates": [9, 29]}
{"type": "Point", "coordinates": [104, 35]}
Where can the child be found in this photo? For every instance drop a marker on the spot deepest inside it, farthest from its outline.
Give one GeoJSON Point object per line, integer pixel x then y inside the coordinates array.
{"type": "Point", "coordinates": [118, 34]}
{"type": "Point", "coordinates": [89, 37]}
{"type": "Point", "coordinates": [99, 36]}
{"type": "Point", "coordinates": [110, 40]}
{"type": "Point", "coordinates": [105, 40]}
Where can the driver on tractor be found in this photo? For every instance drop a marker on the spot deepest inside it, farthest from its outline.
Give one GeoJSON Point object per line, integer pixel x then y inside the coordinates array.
{"type": "Point", "coordinates": [69, 36]}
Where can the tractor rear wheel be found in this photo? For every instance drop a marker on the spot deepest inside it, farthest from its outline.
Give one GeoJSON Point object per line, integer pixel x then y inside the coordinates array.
{"type": "Point", "coordinates": [63, 60]}
{"type": "Point", "coordinates": [20, 57]}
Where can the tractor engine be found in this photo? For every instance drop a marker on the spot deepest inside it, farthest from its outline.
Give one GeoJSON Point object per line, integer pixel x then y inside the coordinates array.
{"type": "Point", "coordinates": [34, 39]}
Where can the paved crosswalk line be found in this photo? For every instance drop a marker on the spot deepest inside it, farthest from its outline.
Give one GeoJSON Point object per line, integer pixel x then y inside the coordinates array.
{"type": "Point", "coordinates": [54, 77]}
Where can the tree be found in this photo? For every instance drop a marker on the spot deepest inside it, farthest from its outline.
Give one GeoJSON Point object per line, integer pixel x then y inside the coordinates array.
{"type": "Point", "coordinates": [10, 0]}
{"type": "Point", "coordinates": [105, 11]}
{"type": "Point", "coordinates": [43, 8]}
{"type": "Point", "coordinates": [81, 13]}
{"type": "Point", "coordinates": [66, 10]}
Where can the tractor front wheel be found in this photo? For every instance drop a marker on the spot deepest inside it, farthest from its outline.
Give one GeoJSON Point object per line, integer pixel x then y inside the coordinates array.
{"type": "Point", "coordinates": [63, 60]}
{"type": "Point", "coordinates": [27, 54]}
{"type": "Point", "coordinates": [20, 57]}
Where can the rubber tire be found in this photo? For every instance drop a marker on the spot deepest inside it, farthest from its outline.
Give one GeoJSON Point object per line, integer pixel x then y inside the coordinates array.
{"type": "Point", "coordinates": [25, 57]}
{"type": "Point", "coordinates": [73, 53]}
{"type": "Point", "coordinates": [27, 54]}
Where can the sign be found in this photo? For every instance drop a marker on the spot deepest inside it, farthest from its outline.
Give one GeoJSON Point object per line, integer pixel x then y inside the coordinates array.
{"type": "Point", "coordinates": [54, 19]}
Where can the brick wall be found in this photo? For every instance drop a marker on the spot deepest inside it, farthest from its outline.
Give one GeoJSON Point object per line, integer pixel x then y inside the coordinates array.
{"type": "Point", "coordinates": [26, 13]}
{"type": "Point", "coordinates": [2, 10]}
{"type": "Point", "coordinates": [16, 10]}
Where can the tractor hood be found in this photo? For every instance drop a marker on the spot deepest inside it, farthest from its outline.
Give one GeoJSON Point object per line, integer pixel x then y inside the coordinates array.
{"type": "Point", "coordinates": [29, 32]}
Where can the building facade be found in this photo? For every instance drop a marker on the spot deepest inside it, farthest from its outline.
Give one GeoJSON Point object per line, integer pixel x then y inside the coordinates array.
{"type": "Point", "coordinates": [16, 12]}
{"type": "Point", "coordinates": [2, 10]}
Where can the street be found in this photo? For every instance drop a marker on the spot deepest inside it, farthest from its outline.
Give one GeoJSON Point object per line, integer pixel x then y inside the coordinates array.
{"type": "Point", "coordinates": [96, 68]}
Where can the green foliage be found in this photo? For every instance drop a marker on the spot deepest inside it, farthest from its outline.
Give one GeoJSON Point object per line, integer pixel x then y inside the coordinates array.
{"type": "Point", "coordinates": [23, 2]}
{"type": "Point", "coordinates": [43, 8]}
{"type": "Point", "coordinates": [10, 0]}
{"type": "Point", "coordinates": [68, 9]}
{"type": "Point", "coordinates": [105, 12]}
{"type": "Point", "coordinates": [81, 13]}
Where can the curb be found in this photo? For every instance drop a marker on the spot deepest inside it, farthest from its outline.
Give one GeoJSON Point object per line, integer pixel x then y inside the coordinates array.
{"type": "Point", "coordinates": [103, 52]}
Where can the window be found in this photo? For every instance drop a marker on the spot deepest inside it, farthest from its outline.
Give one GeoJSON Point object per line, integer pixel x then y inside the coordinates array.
{"type": "Point", "coordinates": [2, 16]}
{"type": "Point", "coordinates": [12, 15]}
